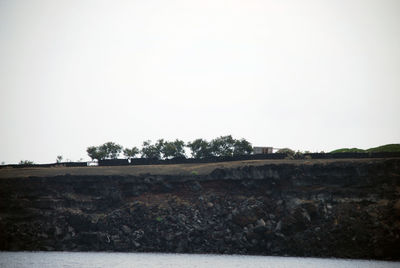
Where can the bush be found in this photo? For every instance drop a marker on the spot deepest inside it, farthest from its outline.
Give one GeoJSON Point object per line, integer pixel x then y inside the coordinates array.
{"type": "Point", "coordinates": [26, 162]}
{"type": "Point", "coordinates": [286, 151]}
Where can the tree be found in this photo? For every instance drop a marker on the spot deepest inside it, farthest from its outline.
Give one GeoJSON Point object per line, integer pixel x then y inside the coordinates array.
{"type": "Point", "coordinates": [151, 151]}
{"type": "Point", "coordinates": [111, 150]}
{"type": "Point", "coordinates": [26, 162]}
{"type": "Point", "coordinates": [222, 146]}
{"type": "Point", "coordinates": [160, 145]}
{"type": "Point", "coordinates": [173, 149]}
{"type": "Point", "coordinates": [130, 153]}
{"type": "Point", "coordinates": [200, 148]}
{"type": "Point", "coordinates": [92, 152]}
{"type": "Point", "coordinates": [108, 150]}
{"type": "Point", "coordinates": [59, 158]}
{"type": "Point", "coordinates": [95, 153]}
{"type": "Point", "coordinates": [242, 147]}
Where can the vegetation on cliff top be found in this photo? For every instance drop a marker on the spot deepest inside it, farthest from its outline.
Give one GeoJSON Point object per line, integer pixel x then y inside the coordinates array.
{"type": "Point", "coordinates": [379, 149]}
{"type": "Point", "coordinates": [200, 148]}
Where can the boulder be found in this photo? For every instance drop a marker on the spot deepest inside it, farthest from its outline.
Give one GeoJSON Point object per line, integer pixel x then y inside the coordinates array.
{"type": "Point", "coordinates": [260, 227]}
{"type": "Point", "coordinates": [195, 186]}
{"type": "Point", "coordinates": [126, 229]}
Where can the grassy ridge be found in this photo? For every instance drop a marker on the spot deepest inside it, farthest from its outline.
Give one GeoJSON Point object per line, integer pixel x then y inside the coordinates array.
{"type": "Point", "coordinates": [379, 149]}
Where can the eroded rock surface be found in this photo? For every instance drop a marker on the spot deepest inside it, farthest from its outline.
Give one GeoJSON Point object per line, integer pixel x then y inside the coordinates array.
{"type": "Point", "coordinates": [345, 210]}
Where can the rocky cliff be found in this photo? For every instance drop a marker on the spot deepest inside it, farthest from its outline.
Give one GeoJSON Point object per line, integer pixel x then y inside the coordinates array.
{"type": "Point", "coordinates": [341, 209]}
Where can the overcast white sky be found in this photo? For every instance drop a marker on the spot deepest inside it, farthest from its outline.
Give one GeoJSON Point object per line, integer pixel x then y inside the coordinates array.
{"type": "Point", "coordinates": [309, 75]}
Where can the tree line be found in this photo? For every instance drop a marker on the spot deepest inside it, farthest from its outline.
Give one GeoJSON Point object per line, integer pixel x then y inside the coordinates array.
{"type": "Point", "coordinates": [162, 149]}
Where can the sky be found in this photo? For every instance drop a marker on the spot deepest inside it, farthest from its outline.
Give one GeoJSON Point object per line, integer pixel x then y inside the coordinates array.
{"type": "Point", "coordinates": [311, 75]}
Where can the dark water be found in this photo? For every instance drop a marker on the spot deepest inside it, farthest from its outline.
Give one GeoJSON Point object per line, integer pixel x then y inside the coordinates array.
{"type": "Point", "coordinates": [147, 260]}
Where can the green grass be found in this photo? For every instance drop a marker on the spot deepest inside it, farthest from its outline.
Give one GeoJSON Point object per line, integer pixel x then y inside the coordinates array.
{"type": "Point", "coordinates": [379, 149]}
{"type": "Point", "coordinates": [385, 148]}
{"type": "Point", "coordinates": [348, 150]}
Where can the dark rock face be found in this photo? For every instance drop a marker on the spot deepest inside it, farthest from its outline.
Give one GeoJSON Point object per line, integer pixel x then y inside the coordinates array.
{"type": "Point", "coordinates": [344, 209]}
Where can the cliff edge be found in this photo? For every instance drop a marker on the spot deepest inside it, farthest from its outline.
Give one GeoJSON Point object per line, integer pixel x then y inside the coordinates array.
{"type": "Point", "coordinates": [344, 209]}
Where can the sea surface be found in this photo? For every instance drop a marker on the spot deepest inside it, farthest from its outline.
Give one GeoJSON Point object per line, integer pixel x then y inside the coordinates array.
{"type": "Point", "coordinates": [156, 260]}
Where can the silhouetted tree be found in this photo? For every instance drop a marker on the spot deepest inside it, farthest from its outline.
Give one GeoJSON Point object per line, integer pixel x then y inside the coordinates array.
{"type": "Point", "coordinates": [151, 151]}
{"type": "Point", "coordinates": [59, 158]}
{"type": "Point", "coordinates": [95, 153]}
{"type": "Point", "coordinates": [242, 147]}
{"type": "Point", "coordinates": [130, 153]}
{"type": "Point", "coordinates": [200, 148]}
{"type": "Point", "coordinates": [26, 162]}
{"type": "Point", "coordinates": [111, 150]}
{"type": "Point", "coordinates": [222, 146]}
{"type": "Point", "coordinates": [172, 149]}
{"type": "Point", "coordinates": [108, 150]}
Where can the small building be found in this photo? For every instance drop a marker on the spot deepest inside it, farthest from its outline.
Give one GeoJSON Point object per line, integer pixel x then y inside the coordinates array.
{"type": "Point", "coordinates": [262, 150]}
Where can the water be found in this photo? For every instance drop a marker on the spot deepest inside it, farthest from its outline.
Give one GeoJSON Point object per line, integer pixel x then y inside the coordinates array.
{"type": "Point", "coordinates": [155, 260]}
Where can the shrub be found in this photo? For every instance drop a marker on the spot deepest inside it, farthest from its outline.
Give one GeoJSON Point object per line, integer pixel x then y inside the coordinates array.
{"type": "Point", "coordinates": [26, 162]}
{"type": "Point", "coordinates": [286, 151]}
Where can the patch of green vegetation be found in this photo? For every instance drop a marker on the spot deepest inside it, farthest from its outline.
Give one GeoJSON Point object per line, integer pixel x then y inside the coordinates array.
{"type": "Point", "coordinates": [287, 151]}
{"type": "Point", "coordinates": [159, 219]}
{"type": "Point", "coordinates": [379, 149]}
{"type": "Point", "coordinates": [194, 173]}
{"type": "Point", "coordinates": [385, 148]}
{"type": "Point", "coordinates": [26, 162]}
{"type": "Point", "coordinates": [348, 150]}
